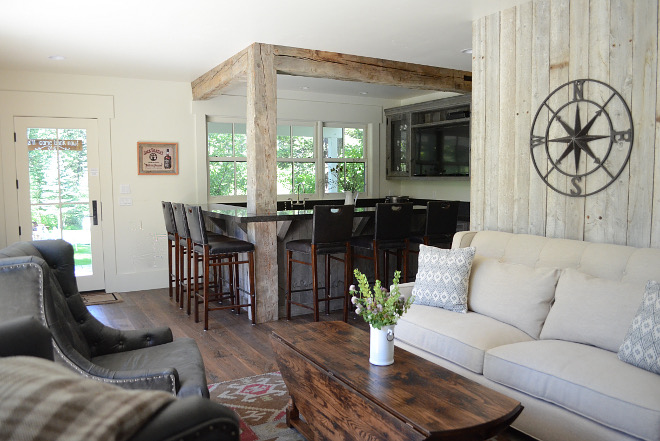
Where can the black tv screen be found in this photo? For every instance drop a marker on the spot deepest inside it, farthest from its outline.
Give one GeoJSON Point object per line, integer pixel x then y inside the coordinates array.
{"type": "Point", "coordinates": [441, 150]}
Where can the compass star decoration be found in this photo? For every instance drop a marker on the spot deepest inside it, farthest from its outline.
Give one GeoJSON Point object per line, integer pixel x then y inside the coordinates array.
{"type": "Point", "coordinates": [613, 134]}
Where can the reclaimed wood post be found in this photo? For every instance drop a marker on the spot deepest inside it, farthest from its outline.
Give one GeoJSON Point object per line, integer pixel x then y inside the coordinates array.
{"type": "Point", "coordinates": [262, 174]}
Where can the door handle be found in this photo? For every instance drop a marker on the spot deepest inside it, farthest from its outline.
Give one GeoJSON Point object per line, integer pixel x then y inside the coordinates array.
{"type": "Point", "coordinates": [95, 213]}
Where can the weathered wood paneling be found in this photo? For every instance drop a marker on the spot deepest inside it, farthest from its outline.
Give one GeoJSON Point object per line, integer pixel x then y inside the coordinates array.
{"type": "Point", "coordinates": [520, 56]}
{"type": "Point", "coordinates": [478, 126]}
{"type": "Point", "coordinates": [521, 157]}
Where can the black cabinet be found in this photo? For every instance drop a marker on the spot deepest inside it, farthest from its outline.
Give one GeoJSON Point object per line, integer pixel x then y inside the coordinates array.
{"type": "Point", "coordinates": [430, 139]}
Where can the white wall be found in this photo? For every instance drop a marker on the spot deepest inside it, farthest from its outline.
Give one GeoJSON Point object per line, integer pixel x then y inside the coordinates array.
{"type": "Point", "coordinates": [143, 111]}
{"type": "Point", "coordinates": [164, 112]}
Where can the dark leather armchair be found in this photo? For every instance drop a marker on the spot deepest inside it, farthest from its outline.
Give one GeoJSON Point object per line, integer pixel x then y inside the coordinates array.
{"type": "Point", "coordinates": [190, 418]}
{"type": "Point", "coordinates": [37, 279]}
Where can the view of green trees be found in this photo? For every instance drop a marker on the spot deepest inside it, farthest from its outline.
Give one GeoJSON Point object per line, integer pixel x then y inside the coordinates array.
{"type": "Point", "coordinates": [58, 180]}
{"type": "Point", "coordinates": [296, 163]}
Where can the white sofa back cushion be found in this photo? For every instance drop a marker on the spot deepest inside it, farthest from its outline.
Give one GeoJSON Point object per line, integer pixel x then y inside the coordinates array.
{"type": "Point", "coordinates": [515, 294]}
{"type": "Point", "coordinates": [592, 310]}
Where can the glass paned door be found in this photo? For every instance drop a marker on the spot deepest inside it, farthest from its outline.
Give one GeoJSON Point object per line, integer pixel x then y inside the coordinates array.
{"type": "Point", "coordinates": [58, 189]}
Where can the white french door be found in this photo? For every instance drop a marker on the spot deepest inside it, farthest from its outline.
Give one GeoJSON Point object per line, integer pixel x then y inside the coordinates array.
{"type": "Point", "coordinates": [57, 166]}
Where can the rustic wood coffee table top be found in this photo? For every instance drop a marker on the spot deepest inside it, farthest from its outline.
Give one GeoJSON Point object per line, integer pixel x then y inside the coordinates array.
{"type": "Point", "coordinates": [340, 395]}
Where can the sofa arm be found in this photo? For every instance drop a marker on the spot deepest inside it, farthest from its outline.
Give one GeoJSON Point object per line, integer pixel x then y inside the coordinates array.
{"type": "Point", "coordinates": [191, 418]}
{"type": "Point", "coordinates": [405, 289]}
{"type": "Point", "coordinates": [25, 336]}
{"type": "Point", "coordinates": [463, 239]}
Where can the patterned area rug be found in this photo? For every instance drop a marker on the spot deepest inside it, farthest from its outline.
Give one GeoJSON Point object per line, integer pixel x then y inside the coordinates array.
{"type": "Point", "coordinates": [261, 402]}
{"type": "Point", "coordinates": [100, 298]}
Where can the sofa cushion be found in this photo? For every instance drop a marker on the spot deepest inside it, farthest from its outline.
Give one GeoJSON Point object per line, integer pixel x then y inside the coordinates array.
{"type": "Point", "coordinates": [592, 310]}
{"type": "Point", "coordinates": [443, 277]}
{"type": "Point", "coordinates": [515, 294]}
{"type": "Point", "coordinates": [641, 346]}
{"type": "Point", "coordinates": [584, 379]}
{"type": "Point", "coordinates": [462, 339]}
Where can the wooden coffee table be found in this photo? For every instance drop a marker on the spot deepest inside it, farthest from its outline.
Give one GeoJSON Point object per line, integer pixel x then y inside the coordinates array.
{"type": "Point", "coordinates": [337, 395]}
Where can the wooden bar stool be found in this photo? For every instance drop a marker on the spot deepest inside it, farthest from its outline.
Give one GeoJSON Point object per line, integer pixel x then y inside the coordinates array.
{"type": "Point", "coordinates": [172, 249]}
{"type": "Point", "coordinates": [392, 230]}
{"type": "Point", "coordinates": [183, 267]}
{"type": "Point", "coordinates": [440, 226]}
{"type": "Point", "coordinates": [216, 252]}
{"type": "Point", "coordinates": [332, 226]}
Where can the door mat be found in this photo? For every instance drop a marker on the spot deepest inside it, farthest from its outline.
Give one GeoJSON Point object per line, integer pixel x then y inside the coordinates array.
{"type": "Point", "coordinates": [100, 298]}
{"type": "Point", "coordinates": [260, 402]}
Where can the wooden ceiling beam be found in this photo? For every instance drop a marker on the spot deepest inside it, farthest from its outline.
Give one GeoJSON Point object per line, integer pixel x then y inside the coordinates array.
{"type": "Point", "coordinates": [227, 74]}
{"type": "Point", "coordinates": [336, 66]}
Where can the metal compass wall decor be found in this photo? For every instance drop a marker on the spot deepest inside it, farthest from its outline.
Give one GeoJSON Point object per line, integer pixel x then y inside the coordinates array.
{"type": "Point", "coordinates": [583, 131]}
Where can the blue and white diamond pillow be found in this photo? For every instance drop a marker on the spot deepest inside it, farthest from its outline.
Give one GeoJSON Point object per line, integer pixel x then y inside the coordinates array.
{"type": "Point", "coordinates": [442, 277]}
{"type": "Point", "coordinates": [641, 347]}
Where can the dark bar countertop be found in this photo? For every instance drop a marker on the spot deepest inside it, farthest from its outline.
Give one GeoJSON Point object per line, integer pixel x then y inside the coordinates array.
{"type": "Point", "coordinates": [287, 212]}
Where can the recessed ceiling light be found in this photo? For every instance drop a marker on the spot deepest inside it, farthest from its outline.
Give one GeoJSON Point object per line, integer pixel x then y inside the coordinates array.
{"type": "Point", "coordinates": [467, 51]}
{"type": "Point", "coordinates": [305, 88]}
{"type": "Point", "coordinates": [364, 93]}
{"type": "Point", "coordinates": [56, 57]}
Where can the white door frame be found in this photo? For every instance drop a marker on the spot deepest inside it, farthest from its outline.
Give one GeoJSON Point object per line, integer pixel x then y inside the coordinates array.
{"type": "Point", "coordinates": [57, 105]}
{"type": "Point", "coordinates": [88, 282]}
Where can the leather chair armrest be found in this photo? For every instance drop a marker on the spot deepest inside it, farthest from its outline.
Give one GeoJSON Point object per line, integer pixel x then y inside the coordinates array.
{"type": "Point", "coordinates": [25, 336]}
{"type": "Point", "coordinates": [166, 379]}
{"type": "Point", "coordinates": [114, 340]}
{"type": "Point", "coordinates": [191, 418]}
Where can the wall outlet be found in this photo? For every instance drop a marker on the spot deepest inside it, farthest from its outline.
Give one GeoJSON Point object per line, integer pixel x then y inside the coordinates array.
{"type": "Point", "coordinates": [125, 201]}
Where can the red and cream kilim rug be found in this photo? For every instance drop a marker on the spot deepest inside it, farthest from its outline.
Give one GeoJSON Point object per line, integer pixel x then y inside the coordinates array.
{"type": "Point", "coordinates": [261, 402]}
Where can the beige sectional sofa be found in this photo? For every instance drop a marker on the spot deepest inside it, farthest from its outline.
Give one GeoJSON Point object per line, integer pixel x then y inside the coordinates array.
{"type": "Point", "coordinates": [545, 320]}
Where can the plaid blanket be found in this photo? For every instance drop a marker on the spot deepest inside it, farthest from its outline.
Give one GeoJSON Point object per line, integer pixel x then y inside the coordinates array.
{"type": "Point", "coordinates": [40, 400]}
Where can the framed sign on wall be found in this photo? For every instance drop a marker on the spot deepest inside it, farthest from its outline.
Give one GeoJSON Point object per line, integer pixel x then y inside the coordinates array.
{"type": "Point", "coordinates": [158, 158]}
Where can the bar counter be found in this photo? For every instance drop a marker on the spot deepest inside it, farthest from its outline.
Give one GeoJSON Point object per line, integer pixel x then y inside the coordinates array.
{"type": "Point", "coordinates": [270, 231]}
{"type": "Point", "coordinates": [240, 214]}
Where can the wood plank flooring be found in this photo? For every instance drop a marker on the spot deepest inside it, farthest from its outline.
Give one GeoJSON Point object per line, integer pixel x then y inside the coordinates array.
{"type": "Point", "coordinates": [232, 347]}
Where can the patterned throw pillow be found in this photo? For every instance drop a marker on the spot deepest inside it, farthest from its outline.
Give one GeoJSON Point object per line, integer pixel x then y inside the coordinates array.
{"type": "Point", "coordinates": [641, 347]}
{"type": "Point", "coordinates": [442, 277]}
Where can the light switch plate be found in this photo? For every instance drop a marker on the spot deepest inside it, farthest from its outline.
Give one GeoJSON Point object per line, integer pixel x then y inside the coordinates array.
{"type": "Point", "coordinates": [125, 201]}
{"type": "Point", "coordinates": [124, 188]}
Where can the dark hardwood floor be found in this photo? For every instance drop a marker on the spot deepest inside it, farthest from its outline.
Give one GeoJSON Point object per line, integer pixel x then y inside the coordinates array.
{"type": "Point", "coordinates": [232, 347]}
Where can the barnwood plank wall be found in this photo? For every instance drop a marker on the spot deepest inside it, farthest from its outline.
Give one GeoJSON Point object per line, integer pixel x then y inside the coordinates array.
{"type": "Point", "coordinates": [522, 54]}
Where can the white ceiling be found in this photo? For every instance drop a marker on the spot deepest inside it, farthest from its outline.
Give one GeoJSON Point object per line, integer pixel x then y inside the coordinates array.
{"type": "Point", "coordinates": [178, 40]}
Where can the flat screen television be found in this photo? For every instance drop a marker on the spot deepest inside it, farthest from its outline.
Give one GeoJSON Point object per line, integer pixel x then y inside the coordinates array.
{"type": "Point", "coordinates": [442, 149]}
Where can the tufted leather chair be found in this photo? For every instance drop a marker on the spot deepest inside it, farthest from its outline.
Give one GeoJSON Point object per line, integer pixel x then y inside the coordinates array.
{"type": "Point", "coordinates": [190, 418]}
{"type": "Point", "coordinates": [37, 279]}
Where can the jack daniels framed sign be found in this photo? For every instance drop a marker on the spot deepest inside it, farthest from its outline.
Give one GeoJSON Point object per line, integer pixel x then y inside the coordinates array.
{"type": "Point", "coordinates": [158, 158]}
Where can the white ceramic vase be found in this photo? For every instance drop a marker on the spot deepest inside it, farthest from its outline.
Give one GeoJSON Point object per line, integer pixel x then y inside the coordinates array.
{"type": "Point", "coordinates": [349, 199]}
{"type": "Point", "coordinates": [381, 347]}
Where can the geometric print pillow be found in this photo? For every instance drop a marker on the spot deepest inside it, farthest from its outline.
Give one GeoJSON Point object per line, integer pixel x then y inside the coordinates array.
{"type": "Point", "coordinates": [641, 347]}
{"type": "Point", "coordinates": [442, 277]}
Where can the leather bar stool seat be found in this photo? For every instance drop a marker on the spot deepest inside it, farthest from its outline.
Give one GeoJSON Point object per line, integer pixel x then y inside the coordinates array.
{"type": "Point", "coordinates": [440, 227]}
{"type": "Point", "coordinates": [184, 269]}
{"type": "Point", "coordinates": [391, 232]}
{"type": "Point", "coordinates": [332, 226]}
{"type": "Point", "coordinates": [172, 249]}
{"type": "Point", "coordinates": [214, 253]}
